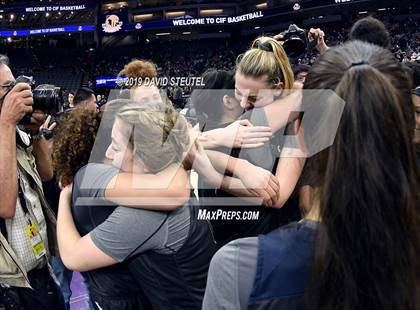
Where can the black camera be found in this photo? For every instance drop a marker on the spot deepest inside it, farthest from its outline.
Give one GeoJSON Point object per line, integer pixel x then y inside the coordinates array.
{"type": "Point", "coordinates": [47, 98]}
{"type": "Point", "coordinates": [101, 102]}
{"type": "Point", "coordinates": [296, 41]}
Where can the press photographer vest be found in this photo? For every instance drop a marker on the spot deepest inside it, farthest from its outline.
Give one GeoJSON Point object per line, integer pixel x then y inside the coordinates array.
{"type": "Point", "coordinates": [12, 271]}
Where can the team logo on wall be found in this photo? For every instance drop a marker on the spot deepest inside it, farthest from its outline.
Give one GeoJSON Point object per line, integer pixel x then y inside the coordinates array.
{"type": "Point", "coordinates": [112, 24]}
{"type": "Point", "coordinates": [138, 26]}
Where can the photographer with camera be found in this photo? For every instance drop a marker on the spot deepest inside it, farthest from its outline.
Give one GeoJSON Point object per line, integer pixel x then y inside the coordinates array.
{"type": "Point", "coordinates": [297, 41]}
{"type": "Point", "coordinates": [27, 223]}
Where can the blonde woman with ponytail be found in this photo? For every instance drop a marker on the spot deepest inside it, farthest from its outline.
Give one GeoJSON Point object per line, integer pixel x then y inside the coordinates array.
{"type": "Point", "coordinates": [263, 74]}
{"type": "Point", "coordinates": [263, 81]}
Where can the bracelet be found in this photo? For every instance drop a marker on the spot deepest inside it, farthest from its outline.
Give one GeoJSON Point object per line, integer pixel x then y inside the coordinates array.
{"type": "Point", "coordinates": [43, 133]}
{"type": "Point", "coordinates": [38, 136]}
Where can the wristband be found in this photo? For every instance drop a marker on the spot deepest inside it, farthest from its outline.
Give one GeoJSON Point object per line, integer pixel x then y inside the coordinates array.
{"type": "Point", "coordinates": [43, 133]}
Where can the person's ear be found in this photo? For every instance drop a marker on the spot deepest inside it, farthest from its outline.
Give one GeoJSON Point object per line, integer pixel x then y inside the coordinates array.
{"type": "Point", "coordinates": [229, 103]}
{"type": "Point", "coordinates": [278, 90]}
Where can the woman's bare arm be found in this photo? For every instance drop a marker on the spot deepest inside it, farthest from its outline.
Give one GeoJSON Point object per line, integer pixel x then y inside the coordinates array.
{"type": "Point", "coordinates": [279, 112]}
{"type": "Point", "coordinates": [77, 253]}
{"type": "Point", "coordinates": [166, 190]}
{"type": "Point", "coordinates": [288, 173]}
{"type": "Point", "coordinates": [252, 181]}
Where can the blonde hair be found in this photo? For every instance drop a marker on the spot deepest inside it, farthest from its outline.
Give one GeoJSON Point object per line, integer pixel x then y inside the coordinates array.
{"type": "Point", "coordinates": [266, 57]}
{"type": "Point", "coordinates": [159, 134]}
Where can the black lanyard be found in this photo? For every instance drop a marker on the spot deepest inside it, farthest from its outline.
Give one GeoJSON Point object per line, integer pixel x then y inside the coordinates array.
{"type": "Point", "coordinates": [22, 197]}
{"type": "Point", "coordinates": [22, 200]}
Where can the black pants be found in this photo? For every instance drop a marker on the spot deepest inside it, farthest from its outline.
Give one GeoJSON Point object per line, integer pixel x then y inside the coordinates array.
{"type": "Point", "coordinates": [44, 296]}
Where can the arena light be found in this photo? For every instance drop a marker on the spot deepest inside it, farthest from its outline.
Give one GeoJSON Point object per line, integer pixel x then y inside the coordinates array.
{"type": "Point", "coordinates": [211, 12]}
{"type": "Point", "coordinates": [1, 16]}
{"type": "Point", "coordinates": [261, 6]}
{"type": "Point", "coordinates": [186, 32]}
{"type": "Point", "coordinates": [175, 14]}
{"type": "Point", "coordinates": [363, 12]}
{"type": "Point", "coordinates": [141, 17]}
{"type": "Point", "coordinates": [115, 5]}
{"type": "Point", "coordinates": [382, 9]}
{"type": "Point", "coordinates": [163, 34]}
{"type": "Point", "coordinates": [12, 16]}
{"type": "Point", "coordinates": [257, 27]}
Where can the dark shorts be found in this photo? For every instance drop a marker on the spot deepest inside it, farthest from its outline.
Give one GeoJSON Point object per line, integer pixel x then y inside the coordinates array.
{"type": "Point", "coordinates": [44, 296]}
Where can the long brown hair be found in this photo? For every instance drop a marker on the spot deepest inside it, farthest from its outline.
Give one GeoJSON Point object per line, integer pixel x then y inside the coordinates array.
{"type": "Point", "coordinates": [73, 143]}
{"type": "Point", "coordinates": [368, 244]}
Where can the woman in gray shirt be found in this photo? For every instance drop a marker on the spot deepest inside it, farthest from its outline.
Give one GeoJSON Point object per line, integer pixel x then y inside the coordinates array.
{"type": "Point", "coordinates": [148, 142]}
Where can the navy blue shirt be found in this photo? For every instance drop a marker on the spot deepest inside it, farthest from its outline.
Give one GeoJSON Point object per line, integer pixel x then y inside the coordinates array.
{"type": "Point", "coordinates": [265, 272]}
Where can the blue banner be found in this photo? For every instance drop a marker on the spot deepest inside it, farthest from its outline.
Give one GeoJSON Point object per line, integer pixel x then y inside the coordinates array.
{"type": "Point", "coordinates": [106, 81]}
{"type": "Point", "coordinates": [50, 8]}
{"type": "Point", "coordinates": [196, 22]}
{"type": "Point", "coordinates": [52, 30]}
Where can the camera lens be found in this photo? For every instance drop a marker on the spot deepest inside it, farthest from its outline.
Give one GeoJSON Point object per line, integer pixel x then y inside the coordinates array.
{"type": "Point", "coordinates": [47, 98]}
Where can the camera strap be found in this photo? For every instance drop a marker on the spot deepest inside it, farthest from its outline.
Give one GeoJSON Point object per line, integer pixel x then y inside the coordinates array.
{"type": "Point", "coordinates": [3, 227]}
{"type": "Point", "coordinates": [21, 196]}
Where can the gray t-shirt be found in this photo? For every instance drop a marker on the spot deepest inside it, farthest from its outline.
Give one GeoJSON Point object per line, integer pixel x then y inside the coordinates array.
{"type": "Point", "coordinates": [126, 231]}
{"type": "Point", "coordinates": [267, 155]}
{"type": "Point", "coordinates": [231, 275]}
